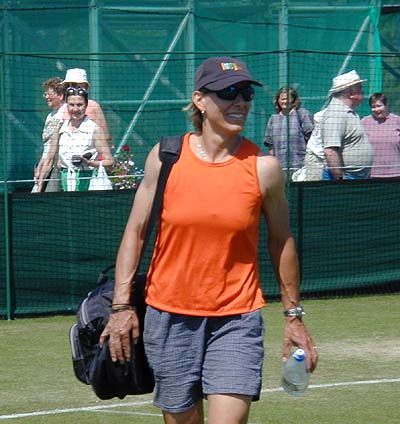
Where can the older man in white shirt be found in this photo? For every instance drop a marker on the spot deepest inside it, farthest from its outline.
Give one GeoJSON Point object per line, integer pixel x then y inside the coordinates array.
{"type": "Point", "coordinates": [347, 150]}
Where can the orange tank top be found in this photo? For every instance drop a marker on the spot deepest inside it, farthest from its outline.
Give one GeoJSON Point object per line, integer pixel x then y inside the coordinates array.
{"type": "Point", "coordinates": [205, 260]}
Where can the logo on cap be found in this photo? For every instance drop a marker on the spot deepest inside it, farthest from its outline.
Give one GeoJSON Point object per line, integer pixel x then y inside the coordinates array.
{"type": "Point", "coordinates": [229, 66]}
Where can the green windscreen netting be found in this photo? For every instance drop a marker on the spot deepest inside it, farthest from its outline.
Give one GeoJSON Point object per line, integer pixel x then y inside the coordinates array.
{"type": "Point", "coordinates": [140, 59]}
{"type": "Point", "coordinates": [142, 97]}
{"type": "Point", "coordinates": [131, 53]}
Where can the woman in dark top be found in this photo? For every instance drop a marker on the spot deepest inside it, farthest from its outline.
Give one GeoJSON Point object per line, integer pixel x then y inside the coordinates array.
{"type": "Point", "coordinates": [289, 147]}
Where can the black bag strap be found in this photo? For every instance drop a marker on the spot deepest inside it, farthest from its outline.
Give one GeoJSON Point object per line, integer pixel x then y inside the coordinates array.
{"type": "Point", "coordinates": [169, 152]}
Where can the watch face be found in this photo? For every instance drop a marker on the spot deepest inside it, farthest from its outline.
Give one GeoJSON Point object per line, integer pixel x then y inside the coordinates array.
{"type": "Point", "coordinates": [295, 312]}
{"type": "Point", "coordinates": [299, 311]}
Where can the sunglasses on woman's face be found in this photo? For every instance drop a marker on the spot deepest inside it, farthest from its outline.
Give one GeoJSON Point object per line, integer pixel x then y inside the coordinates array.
{"type": "Point", "coordinates": [231, 92]}
{"type": "Point", "coordinates": [79, 91]}
{"type": "Point", "coordinates": [49, 94]}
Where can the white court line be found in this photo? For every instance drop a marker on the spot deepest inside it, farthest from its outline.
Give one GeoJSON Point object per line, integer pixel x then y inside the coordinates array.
{"type": "Point", "coordinates": [119, 412]}
{"type": "Point", "coordinates": [147, 402]}
{"type": "Point", "coordinates": [343, 384]}
{"type": "Point", "coordinates": [70, 410]}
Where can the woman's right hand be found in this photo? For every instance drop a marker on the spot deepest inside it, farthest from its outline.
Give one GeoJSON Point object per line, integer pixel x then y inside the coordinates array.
{"type": "Point", "coordinates": [122, 327]}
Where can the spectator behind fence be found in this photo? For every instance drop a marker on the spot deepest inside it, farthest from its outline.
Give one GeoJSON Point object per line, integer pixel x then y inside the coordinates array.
{"type": "Point", "coordinates": [54, 96]}
{"type": "Point", "coordinates": [383, 130]}
{"type": "Point", "coordinates": [77, 77]}
{"type": "Point", "coordinates": [347, 150]}
{"type": "Point", "coordinates": [203, 328]}
{"type": "Point", "coordinates": [79, 144]}
{"type": "Point", "coordinates": [287, 102]}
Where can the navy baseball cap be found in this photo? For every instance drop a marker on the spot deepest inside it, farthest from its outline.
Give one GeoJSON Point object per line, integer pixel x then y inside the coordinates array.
{"type": "Point", "coordinates": [216, 73]}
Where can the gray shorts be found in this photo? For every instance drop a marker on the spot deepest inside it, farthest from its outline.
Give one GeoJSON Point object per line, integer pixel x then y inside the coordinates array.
{"type": "Point", "coordinates": [195, 356]}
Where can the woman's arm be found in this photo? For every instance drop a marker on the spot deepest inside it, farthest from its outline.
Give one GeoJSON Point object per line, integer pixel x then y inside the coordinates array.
{"type": "Point", "coordinates": [283, 254]}
{"type": "Point", "coordinates": [268, 141]}
{"type": "Point", "coordinates": [307, 123]}
{"type": "Point", "coordinates": [124, 325]}
{"type": "Point", "coordinates": [46, 163]}
{"type": "Point", "coordinates": [96, 114]}
{"type": "Point", "coordinates": [103, 150]}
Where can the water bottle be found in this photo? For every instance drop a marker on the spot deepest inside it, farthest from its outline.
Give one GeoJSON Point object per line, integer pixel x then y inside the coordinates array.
{"type": "Point", "coordinates": [295, 376]}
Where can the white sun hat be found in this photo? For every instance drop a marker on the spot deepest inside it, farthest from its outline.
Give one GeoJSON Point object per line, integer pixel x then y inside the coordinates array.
{"type": "Point", "coordinates": [341, 82]}
{"type": "Point", "coordinates": [76, 75]}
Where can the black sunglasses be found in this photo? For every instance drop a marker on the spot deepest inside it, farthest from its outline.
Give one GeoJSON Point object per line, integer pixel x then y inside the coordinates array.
{"type": "Point", "coordinates": [231, 92]}
{"type": "Point", "coordinates": [79, 91]}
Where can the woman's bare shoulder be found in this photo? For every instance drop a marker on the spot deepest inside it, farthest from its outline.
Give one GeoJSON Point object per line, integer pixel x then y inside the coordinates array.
{"type": "Point", "coordinates": [270, 173]}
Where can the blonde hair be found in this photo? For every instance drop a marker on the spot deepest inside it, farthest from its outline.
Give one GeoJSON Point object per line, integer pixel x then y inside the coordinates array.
{"type": "Point", "coordinates": [55, 84]}
{"type": "Point", "coordinates": [194, 115]}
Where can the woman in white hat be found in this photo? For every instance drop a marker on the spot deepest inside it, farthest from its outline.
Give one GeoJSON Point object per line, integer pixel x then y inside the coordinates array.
{"type": "Point", "coordinates": [79, 145]}
{"type": "Point", "coordinates": [75, 78]}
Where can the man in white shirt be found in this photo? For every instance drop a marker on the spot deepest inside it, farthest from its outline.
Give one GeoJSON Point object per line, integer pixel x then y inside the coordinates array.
{"type": "Point", "coordinates": [347, 150]}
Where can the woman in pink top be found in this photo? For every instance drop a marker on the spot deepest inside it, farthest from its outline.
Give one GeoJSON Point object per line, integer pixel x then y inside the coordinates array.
{"type": "Point", "coordinates": [383, 130]}
{"type": "Point", "coordinates": [204, 331]}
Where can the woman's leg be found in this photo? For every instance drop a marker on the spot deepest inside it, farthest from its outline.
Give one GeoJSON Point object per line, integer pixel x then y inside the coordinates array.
{"type": "Point", "coordinates": [193, 416]}
{"type": "Point", "coordinates": [228, 409]}
{"type": "Point", "coordinates": [232, 368]}
{"type": "Point", "coordinates": [174, 347]}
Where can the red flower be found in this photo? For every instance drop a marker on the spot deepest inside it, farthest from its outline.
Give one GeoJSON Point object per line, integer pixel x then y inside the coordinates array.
{"type": "Point", "coordinates": [124, 174]}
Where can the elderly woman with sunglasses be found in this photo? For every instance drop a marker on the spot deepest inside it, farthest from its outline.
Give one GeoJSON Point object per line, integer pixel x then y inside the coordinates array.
{"type": "Point", "coordinates": [78, 144]}
{"type": "Point", "coordinates": [54, 97]}
{"type": "Point", "coordinates": [204, 330]}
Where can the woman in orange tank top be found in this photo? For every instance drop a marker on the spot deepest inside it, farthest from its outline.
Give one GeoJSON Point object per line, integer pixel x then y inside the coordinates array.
{"type": "Point", "coordinates": [203, 329]}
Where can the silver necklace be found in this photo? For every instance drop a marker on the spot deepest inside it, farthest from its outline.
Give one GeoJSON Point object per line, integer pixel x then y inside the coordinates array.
{"type": "Point", "coordinates": [202, 152]}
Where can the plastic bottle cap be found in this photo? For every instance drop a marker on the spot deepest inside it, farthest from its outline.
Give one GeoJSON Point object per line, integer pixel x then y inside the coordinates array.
{"type": "Point", "coordinates": [299, 355]}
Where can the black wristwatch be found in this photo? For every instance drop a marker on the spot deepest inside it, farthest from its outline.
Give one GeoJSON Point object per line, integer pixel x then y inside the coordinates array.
{"type": "Point", "coordinates": [297, 312]}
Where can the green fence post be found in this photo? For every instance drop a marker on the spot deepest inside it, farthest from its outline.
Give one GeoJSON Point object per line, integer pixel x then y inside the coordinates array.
{"type": "Point", "coordinates": [94, 49]}
{"type": "Point", "coordinates": [7, 244]}
{"type": "Point", "coordinates": [300, 229]}
{"type": "Point", "coordinates": [287, 112]}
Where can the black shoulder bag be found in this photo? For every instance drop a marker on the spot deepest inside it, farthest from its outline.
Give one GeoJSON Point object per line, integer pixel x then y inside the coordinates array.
{"type": "Point", "coordinates": [92, 364]}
